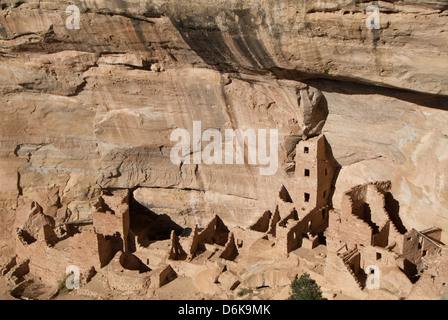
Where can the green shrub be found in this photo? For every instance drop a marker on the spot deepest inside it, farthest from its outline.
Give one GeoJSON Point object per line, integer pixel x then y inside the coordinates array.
{"type": "Point", "coordinates": [305, 288]}
{"type": "Point", "coordinates": [245, 291]}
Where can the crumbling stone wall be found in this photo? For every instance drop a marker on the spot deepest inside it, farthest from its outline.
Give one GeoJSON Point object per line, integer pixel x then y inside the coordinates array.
{"type": "Point", "coordinates": [337, 272]}
{"type": "Point", "coordinates": [80, 250]}
{"type": "Point", "coordinates": [433, 283]}
{"type": "Point", "coordinates": [349, 229]}
{"type": "Point", "coordinates": [262, 224]}
{"type": "Point", "coordinates": [112, 215]}
{"type": "Point", "coordinates": [381, 238]}
{"type": "Point", "coordinates": [216, 232]}
{"type": "Point", "coordinates": [353, 201]}
{"type": "Point", "coordinates": [367, 203]}
{"type": "Point", "coordinates": [273, 221]}
{"type": "Point", "coordinates": [377, 204]}
{"type": "Point", "coordinates": [230, 250]}
{"type": "Point", "coordinates": [196, 245]}
{"type": "Point", "coordinates": [291, 216]}
{"type": "Point", "coordinates": [314, 223]}
{"type": "Point", "coordinates": [111, 223]}
{"type": "Point", "coordinates": [176, 250]}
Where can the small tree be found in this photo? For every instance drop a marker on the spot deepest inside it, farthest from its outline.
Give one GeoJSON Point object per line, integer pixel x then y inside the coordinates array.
{"type": "Point", "coordinates": [305, 288]}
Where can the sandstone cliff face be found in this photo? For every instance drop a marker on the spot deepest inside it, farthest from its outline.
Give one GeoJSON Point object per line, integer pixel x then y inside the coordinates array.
{"type": "Point", "coordinates": [93, 109]}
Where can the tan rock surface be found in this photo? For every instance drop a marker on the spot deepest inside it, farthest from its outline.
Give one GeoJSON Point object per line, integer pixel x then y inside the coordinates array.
{"type": "Point", "coordinates": [91, 111]}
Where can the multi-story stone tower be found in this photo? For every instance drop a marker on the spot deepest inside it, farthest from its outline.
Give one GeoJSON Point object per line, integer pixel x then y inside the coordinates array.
{"type": "Point", "coordinates": [315, 170]}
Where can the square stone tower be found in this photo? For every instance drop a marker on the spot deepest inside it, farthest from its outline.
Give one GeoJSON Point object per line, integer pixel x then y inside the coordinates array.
{"type": "Point", "coordinates": [315, 169]}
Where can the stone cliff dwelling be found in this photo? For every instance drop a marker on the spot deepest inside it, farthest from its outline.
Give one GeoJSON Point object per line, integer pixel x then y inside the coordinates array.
{"type": "Point", "coordinates": [89, 192]}
{"type": "Point", "coordinates": [126, 247]}
{"type": "Point", "coordinates": [368, 231]}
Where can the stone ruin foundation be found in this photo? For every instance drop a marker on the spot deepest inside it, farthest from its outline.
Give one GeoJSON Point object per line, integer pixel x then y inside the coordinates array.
{"type": "Point", "coordinates": [124, 248]}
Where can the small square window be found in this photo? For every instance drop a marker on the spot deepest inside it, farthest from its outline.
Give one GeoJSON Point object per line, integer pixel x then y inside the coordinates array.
{"type": "Point", "coordinates": [325, 194]}
{"type": "Point", "coordinates": [307, 173]}
{"type": "Point", "coordinates": [307, 197]}
{"type": "Point", "coordinates": [378, 256]}
{"type": "Point", "coordinates": [326, 172]}
{"type": "Point", "coordinates": [306, 150]}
